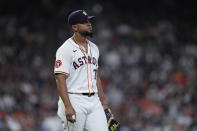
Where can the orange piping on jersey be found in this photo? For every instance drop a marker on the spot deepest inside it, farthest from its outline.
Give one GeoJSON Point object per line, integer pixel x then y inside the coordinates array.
{"type": "Point", "coordinates": [91, 77]}
{"type": "Point", "coordinates": [87, 64]}
{"type": "Point", "coordinates": [73, 44]}
{"type": "Point", "coordinates": [67, 125]}
{"type": "Point", "coordinates": [88, 76]}
{"type": "Point", "coordinates": [87, 72]}
{"type": "Point", "coordinates": [61, 72]}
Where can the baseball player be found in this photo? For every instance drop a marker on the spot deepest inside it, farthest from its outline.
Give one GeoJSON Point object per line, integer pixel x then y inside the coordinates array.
{"type": "Point", "coordinates": [82, 105]}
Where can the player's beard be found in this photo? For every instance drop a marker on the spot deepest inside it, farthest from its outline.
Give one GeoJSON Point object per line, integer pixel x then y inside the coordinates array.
{"type": "Point", "coordinates": [86, 33]}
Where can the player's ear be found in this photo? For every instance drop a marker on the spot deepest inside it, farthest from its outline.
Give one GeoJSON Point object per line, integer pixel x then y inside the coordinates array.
{"type": "Point", "coordinates": [74, 27]}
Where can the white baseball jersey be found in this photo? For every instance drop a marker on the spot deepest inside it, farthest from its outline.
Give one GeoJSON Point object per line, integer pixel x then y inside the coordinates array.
{"type": "Point", "coordinates": [81, 70]}
{"type": "Point", "coordinates": [79, 66]}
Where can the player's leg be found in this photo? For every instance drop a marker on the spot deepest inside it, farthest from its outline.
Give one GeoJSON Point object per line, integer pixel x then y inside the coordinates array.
{"type": "Point", "coordinates": [68, 126]}
{"type": "Point", "coordinates": [77, 126]}
{"type": "Point", "coordinates": [96, 120]}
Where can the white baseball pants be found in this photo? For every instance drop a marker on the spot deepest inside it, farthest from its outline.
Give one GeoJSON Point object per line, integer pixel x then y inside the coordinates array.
{"type": "Point", "coordinates": [90, 115]}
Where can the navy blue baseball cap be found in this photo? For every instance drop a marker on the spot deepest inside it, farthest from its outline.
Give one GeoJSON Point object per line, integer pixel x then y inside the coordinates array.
{"type": "Point", "coordinates": [79, 16]}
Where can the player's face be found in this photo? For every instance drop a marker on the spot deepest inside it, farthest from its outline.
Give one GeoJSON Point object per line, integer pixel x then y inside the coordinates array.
{"type": "Point", "coordinates": [85, 28]}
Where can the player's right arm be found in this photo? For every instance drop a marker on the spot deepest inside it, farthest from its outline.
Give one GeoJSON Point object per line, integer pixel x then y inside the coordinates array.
{"type": "Point", "coordinates": [62, 90]}
{"type": "Point", "coordinates": [61, 70]}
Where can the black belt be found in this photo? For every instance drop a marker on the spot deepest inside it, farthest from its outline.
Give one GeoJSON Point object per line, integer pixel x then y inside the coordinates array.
{"type": "Point", "coordinates": [85, 94]}
{"type": "Point", "coordinates": [88, 94]}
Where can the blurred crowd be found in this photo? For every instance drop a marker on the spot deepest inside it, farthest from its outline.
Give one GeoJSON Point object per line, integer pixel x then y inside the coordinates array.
{"type": "Point", "coordinates": [148, 73]}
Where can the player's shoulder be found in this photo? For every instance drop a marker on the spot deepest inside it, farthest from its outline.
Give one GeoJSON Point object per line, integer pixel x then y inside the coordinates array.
{"type": "Point", "coordinates": [93, 45]}
{"type": "Point", "coordinates": [65, 46]}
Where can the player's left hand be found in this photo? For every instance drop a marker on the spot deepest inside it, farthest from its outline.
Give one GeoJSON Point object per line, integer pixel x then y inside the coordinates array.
{"type": "Point", "coordinates": [113, 125]}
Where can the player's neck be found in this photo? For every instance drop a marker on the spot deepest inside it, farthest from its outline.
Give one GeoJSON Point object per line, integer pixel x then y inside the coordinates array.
{"type": "Point", "coordinates": [80, 40]}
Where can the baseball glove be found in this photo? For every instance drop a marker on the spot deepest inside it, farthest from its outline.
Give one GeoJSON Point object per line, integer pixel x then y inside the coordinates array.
{"type": "Point", "coordinates": [113, 125]}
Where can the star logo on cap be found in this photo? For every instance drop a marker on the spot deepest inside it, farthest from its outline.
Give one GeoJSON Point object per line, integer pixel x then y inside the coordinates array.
{"type": "Point", "coordinates": [84, 13]}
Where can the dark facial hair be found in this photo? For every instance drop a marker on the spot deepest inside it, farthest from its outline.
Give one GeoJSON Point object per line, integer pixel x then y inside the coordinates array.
{"type": "Point", "coordinates": [86, 33]}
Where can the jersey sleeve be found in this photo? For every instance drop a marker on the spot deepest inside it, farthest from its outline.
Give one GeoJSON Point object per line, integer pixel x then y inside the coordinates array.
{"type": "Point", "coordinates": [63, 61]}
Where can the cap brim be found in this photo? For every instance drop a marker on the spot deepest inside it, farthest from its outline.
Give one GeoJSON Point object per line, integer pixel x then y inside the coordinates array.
{"type": "Point", "coordinates": [91, 18]}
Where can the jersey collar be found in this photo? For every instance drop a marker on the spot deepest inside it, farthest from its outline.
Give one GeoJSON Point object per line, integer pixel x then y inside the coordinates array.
{"type": "Point", "coordinates": [77, 46]}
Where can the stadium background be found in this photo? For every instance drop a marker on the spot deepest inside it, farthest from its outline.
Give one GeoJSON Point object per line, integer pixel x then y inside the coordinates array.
{"type": "Point", "coordinates": [148, 62]}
